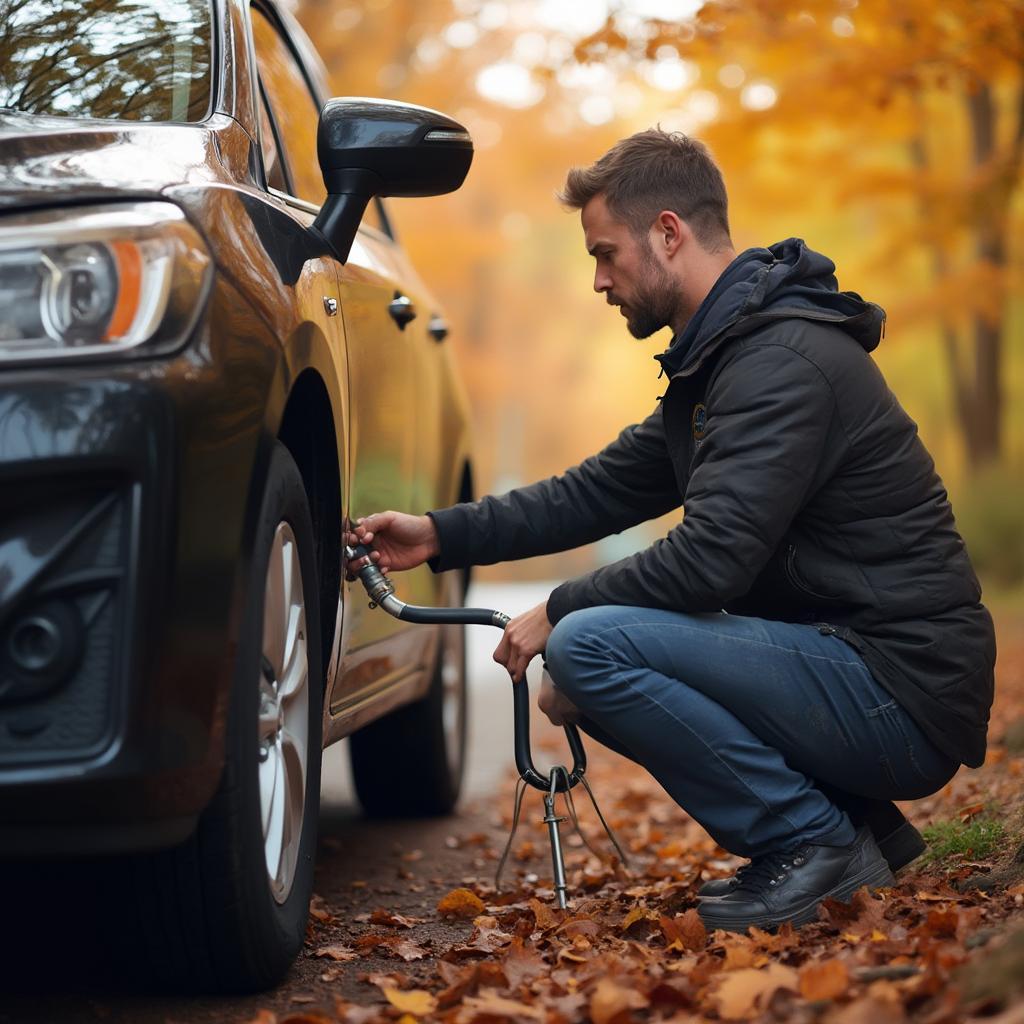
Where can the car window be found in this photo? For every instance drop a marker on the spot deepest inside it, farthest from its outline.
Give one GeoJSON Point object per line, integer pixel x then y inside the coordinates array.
{"type": "Point", "coordinates": [294, 110]}
{"type": "Point", "coordinates": [127, 60]}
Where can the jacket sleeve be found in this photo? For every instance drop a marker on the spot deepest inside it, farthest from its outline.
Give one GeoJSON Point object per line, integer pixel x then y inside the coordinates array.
{"type": "Point", "coordinates": [628, 482]}
{"type": "Point", "coordinates": [770, 414]}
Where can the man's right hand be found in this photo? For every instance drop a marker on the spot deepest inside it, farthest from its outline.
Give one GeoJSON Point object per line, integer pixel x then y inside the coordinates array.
{"type": "Point", "coordinates": [399, 541]}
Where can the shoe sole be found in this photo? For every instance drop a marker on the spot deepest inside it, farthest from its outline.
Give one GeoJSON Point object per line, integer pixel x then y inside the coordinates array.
{"type": "Point", "coordinates": [876, 876]}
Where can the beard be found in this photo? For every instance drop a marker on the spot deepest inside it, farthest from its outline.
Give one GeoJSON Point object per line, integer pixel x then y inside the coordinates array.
{"type": "Point", "coordinates": [656, 300]}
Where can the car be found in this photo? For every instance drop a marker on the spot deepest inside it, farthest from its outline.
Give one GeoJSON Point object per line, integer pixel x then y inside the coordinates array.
{"type": "Point", "coordinates": [213, 353]}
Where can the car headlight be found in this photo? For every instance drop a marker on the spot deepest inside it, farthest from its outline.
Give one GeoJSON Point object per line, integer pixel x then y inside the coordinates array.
{"type": "Point", "coordinates": [98, 281]}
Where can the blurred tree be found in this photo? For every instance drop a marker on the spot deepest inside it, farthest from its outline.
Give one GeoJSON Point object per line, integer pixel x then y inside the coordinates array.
{"type": "Point", "coordinates": [862, 82]}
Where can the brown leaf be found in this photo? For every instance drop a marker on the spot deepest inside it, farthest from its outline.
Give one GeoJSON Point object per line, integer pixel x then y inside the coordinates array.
{"type": "Point", "coordinates": [406, 949]}
{"type": "Point", "coordinates": [337, 952]}
{"type": "Point", "coordinates": [638, 913]}
{"type": "Point", "coordinates": [826, 979]}
{"type": "Point", "coordinates": [460, 903]}
{"type": "Point", "coordinates": [395, 920]}
{"type": "Point", "coordinates": [685, 932]}
{"type": "Point", "coordinates": [318, 909]}
{"type": "Point", "coordinates": [416, 1001]}
{"type": "Point", "coordinates": [546, 917]}
{"type": "Point", "coordinates": [610, 1000]}
{"type": "Point", "coordinates": [742, 992]}
{"type": "Point", "coordinates": [521, 964]}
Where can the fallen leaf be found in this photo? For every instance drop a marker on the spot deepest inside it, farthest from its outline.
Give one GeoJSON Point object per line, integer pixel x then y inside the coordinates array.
{"type": "Point", "coordinates": [318, 909]}
{"type": "Point", "coordinates": [395, 920]}
{"type": "Point", "coordinates": [684, 933]}
{"type": "Point", "coordinates": [522, 963]}
{"type": "Point", "coordinates": [337, 952]}
{"type": "Point", "coordinates": [489, 1005]}
{"type": "Point", "coordinates": [739, 954]}
{"type": "Point", "coordinates": [546, 917]}
{"type": "Point", "coordinates": [460, 903]}
{"type": "Point", "coordinates": [610, 999]}
{"type": "Point", "coordinates": [826, 979]}
{"type": "Point", "coordinates": [638, 913]}
{"type": "Point", "coordinates": [416, 1001]}
{"type": "Point", "coordinates": [406, 949]}
{"type": "Point", "coordinates": [743, 992]}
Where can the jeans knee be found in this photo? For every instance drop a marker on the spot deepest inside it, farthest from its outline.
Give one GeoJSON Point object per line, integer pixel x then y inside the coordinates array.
{"type": "Point", "coordinates": [565, 644]}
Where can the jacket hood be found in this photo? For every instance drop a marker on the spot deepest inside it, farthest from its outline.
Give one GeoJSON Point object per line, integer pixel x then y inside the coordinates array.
{"type": "Point", "coordinates": [785, 280]}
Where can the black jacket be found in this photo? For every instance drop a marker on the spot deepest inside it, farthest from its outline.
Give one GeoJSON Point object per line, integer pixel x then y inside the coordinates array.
{"type": "Point", "coordinates": [808, 496]}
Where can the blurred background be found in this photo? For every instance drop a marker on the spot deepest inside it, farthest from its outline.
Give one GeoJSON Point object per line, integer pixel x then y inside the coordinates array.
{"type": "Point", "coordinates": [888, 133]}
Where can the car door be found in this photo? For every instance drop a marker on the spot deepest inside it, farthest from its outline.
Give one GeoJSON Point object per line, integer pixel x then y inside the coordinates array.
{"type": "Point", "coordinates": [378, 349]}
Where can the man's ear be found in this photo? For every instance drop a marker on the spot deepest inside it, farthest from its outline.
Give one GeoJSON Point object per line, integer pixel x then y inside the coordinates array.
{"type": "Point", "coordinates": [670, 232]}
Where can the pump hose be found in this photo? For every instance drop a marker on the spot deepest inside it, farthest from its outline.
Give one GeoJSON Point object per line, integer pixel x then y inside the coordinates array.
{"type": "Point", "coordinates": [382, 592]}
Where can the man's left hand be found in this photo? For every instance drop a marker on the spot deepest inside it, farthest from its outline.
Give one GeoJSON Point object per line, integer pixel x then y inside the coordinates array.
{"type": "Point", "coordinates": [525, 637]}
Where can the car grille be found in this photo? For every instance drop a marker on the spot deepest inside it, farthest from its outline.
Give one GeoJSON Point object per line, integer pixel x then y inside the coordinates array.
{"type": "Point", "coordinates": [63, 556]}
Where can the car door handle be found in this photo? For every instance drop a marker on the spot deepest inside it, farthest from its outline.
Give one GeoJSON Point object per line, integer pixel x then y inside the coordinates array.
{"type": "Point", "coordinates": [402, 310]}
{"type": "Point", "coordinates": [438, 327]}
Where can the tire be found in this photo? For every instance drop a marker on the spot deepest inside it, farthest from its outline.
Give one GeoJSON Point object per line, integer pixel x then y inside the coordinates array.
{"type": "Point", "coordinates": [410, 762]}
{"type": "Point", "coordinates": [222, 912]}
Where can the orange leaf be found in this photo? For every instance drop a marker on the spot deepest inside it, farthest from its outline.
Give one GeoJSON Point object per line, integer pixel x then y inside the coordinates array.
{"type": "Point", "coordinates": [610, 999]}
{"type": "Point", "coordinates": [460, 903]}
{"type": "Point", "coordinates": [826, 979]}
{"type": "Point", "coordinates": [743, 992]}
{"type": "Point", "coordinates": [416, 1001]}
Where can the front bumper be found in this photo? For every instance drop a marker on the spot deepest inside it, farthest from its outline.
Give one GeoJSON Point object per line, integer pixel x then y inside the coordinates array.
{"type": "Point", "coordinates": [124, 498]}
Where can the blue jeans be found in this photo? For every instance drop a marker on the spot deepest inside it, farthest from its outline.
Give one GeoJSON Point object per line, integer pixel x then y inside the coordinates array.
{"type": "Point", "coordinates": [742, 720]}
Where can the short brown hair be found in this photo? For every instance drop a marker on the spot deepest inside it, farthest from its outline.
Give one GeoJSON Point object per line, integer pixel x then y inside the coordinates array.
{"type": "Point", "coordinates": [653, 171]}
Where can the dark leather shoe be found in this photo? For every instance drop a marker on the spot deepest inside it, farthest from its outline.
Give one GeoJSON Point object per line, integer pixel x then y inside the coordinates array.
{"type": "Point", "coordinates": [898, 841]}
{"type": "Point", "coordinates": [788, 886]}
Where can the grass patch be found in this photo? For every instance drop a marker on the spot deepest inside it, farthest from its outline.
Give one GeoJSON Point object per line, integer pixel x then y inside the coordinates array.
{"type": "Point", "coordinates": [977, 839]}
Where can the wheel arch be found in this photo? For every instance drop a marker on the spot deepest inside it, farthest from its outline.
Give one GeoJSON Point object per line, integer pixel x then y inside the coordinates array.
{"type": "Point", "coordinates": [307, 430]}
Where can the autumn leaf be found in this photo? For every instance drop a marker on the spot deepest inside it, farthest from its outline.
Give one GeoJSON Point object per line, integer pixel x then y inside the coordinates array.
{"type": "Point", "coordinates": [460, 903]}
{"type": "Point", "coordinates": [337, 952]}
{"type": "Point", "coordinates": [395, 920]}
{"type": "Point", "coordinates": [610, 999]}
{"type": "Point", "coordinates": [546, 917]}
{"type": "Point", "coordinates": [745, 991]}
{"type": "Point", "coordinates": [416, 1001]}
{"type": "Point", "coordinates": [685, 932]}
{"type": "Point", "coordinates": [521, 963]}
{"type": "Point", "coordinates": [826, 979]}
{"type": "Point", "coordinates": [490, 1006]}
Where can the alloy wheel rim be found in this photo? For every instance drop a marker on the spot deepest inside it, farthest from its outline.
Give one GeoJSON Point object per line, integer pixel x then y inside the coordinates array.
{"type": "Point", "coordinates": [283, 720]}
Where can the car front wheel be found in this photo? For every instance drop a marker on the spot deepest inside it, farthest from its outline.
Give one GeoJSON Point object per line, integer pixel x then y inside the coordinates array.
{"type": "Point", "coordinates": [227, 910]}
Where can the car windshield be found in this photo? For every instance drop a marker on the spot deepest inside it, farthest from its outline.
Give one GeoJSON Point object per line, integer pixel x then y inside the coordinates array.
{"type": "Point", "coordinates": [125, 60]}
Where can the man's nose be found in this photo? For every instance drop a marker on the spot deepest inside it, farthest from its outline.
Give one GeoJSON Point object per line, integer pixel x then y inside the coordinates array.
{"type": "Point", "coordinates": [602, 282]}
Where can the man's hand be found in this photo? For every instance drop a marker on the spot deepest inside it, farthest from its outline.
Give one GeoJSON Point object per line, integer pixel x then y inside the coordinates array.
{"type": "Point", "coordinates": [399, 541]}
{"type": "Point", "coordinates": [525, 637]}
{"type": "Point", "coordinates": [559, 709]}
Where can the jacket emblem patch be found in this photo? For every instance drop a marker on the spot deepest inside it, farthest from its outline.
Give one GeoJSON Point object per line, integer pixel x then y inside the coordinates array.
{"type": "Point", "coordinates": [699, 421]}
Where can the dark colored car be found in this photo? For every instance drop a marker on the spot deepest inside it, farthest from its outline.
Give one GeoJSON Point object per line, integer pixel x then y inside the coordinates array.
{"type": "Point", "coordinates": [209, 359]}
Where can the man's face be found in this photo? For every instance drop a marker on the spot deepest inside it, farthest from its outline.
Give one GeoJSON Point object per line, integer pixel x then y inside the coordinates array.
{"type": "Point", "coordinates": [627, 271]}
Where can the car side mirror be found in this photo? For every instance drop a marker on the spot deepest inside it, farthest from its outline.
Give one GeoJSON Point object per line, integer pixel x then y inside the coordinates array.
{"type": "Point", "coordinates": [370, 147]}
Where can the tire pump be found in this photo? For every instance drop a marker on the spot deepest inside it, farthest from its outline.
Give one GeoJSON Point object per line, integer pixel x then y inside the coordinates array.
{"type": "Point", "coordinates": [559, 779]}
